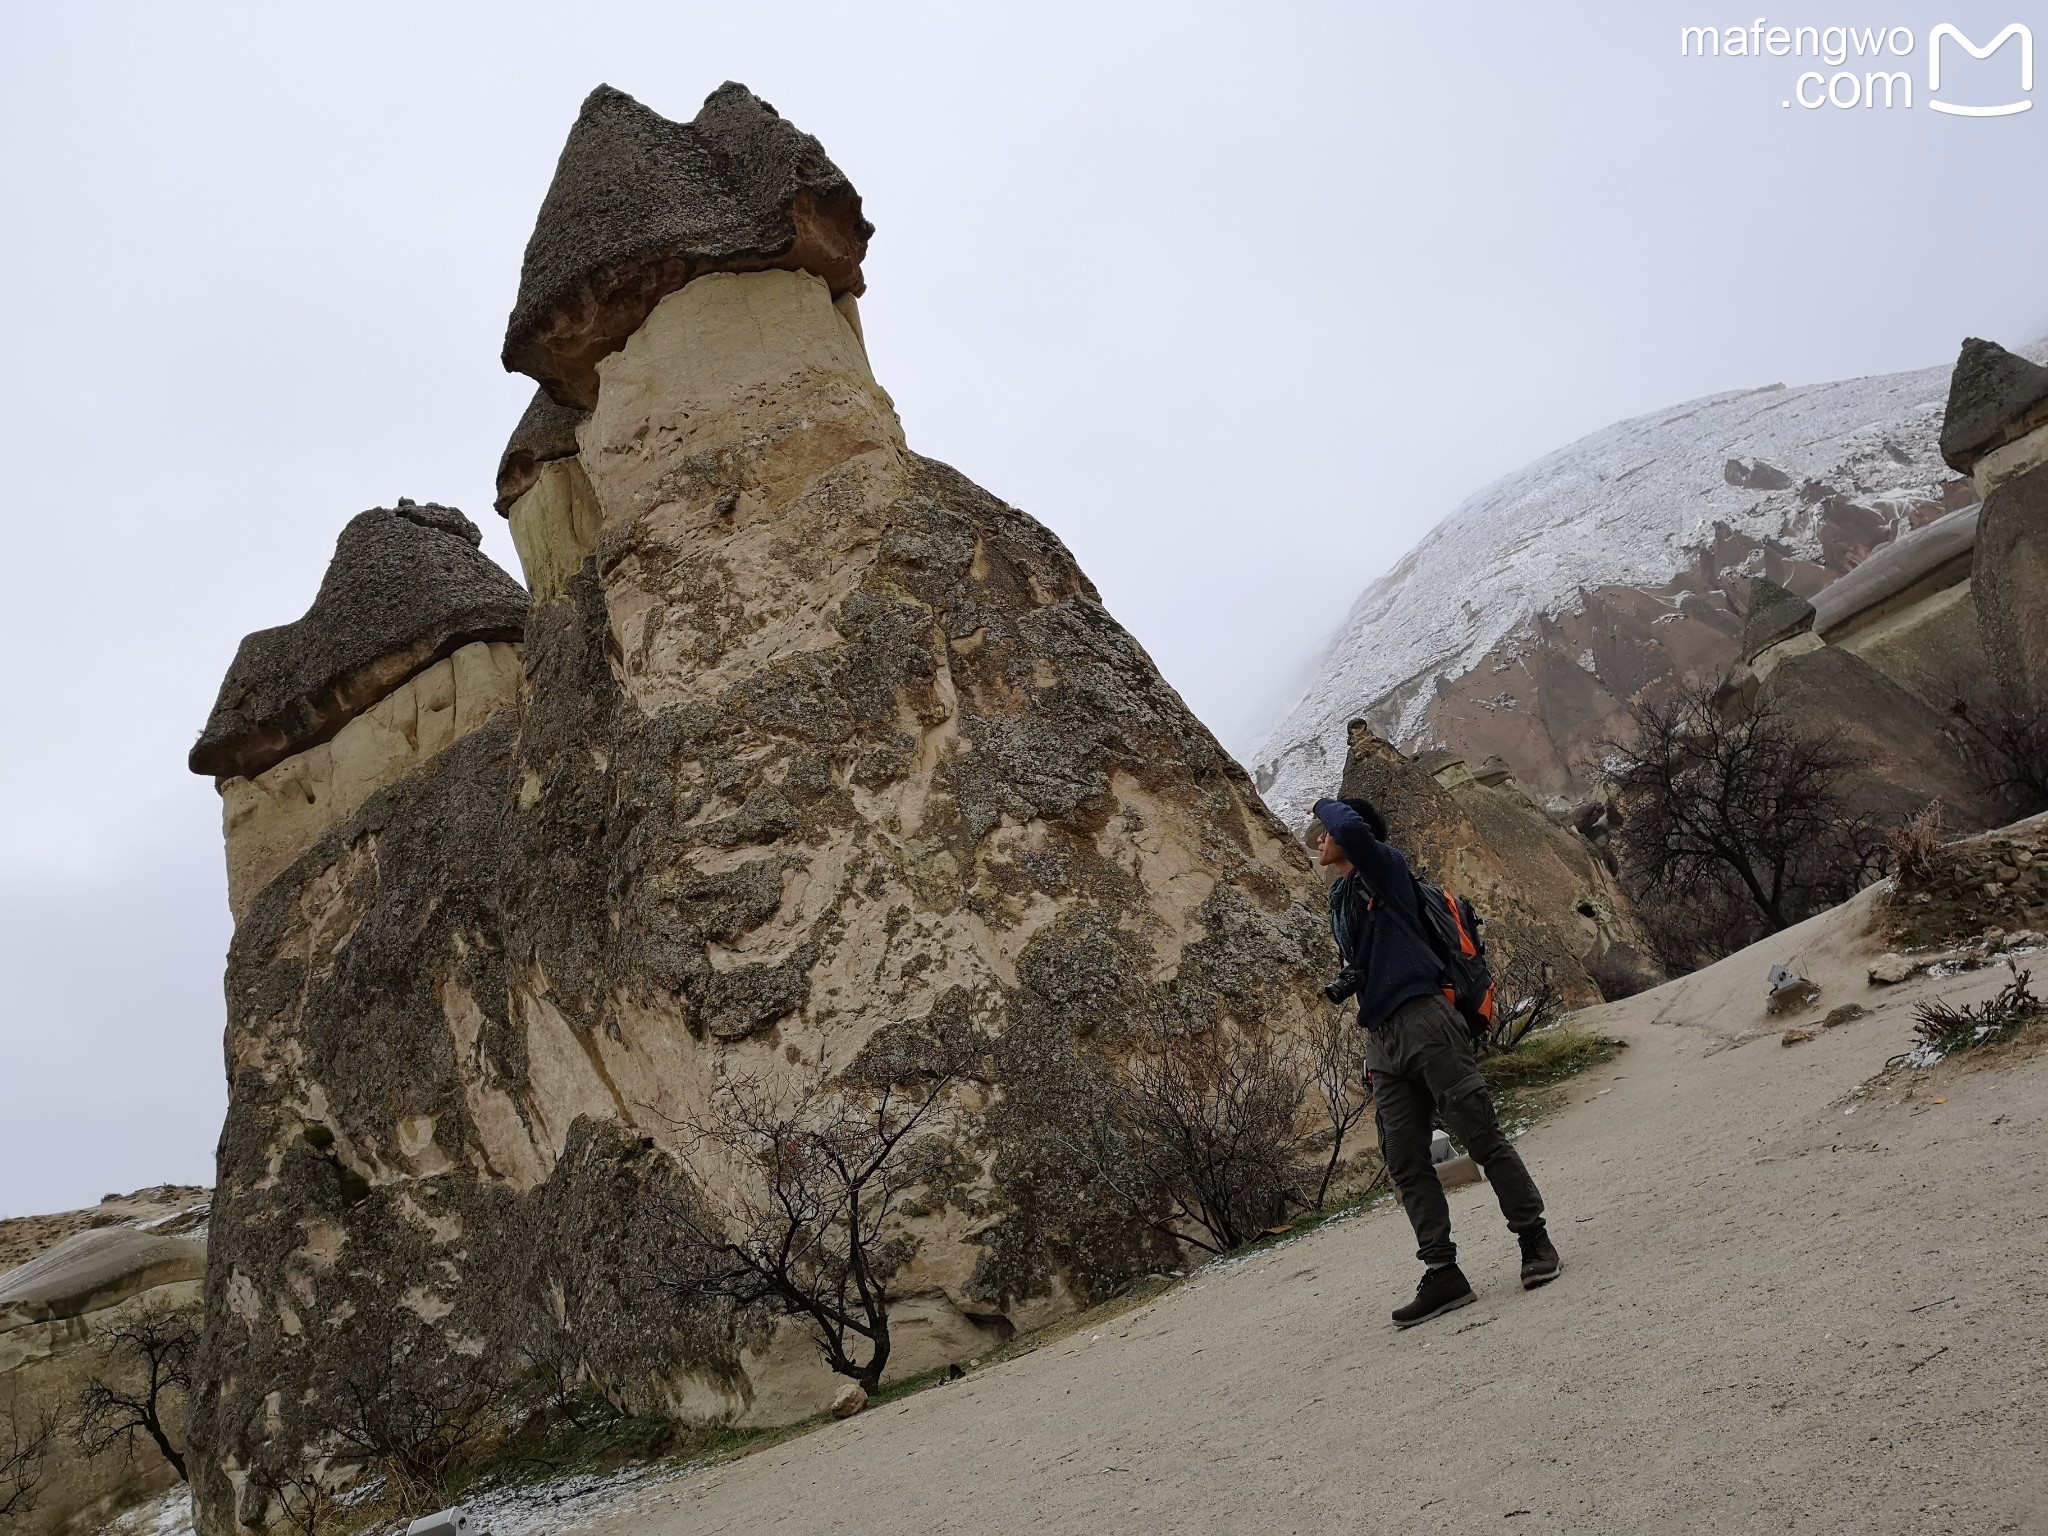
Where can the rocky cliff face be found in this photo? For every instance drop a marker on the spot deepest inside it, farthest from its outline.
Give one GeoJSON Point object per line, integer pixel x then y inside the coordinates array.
{"type": "Point", "coordinates": [815, 742]}
{"type": "Point", "coordinates": [1543, 604]}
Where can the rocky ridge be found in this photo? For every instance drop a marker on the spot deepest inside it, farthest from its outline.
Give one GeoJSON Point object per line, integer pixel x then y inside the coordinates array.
{"type": "Point", "coordinates": [1612, 564]}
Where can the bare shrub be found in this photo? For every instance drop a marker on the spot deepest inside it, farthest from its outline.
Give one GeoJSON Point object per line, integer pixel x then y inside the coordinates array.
{"type": "Point", "coordinates": [804, 1215]}
{"type": "Point", "coordinates": [306, 1501]}
{"type": "Point", "coordinates": [2003, 732]}
{"type": "Point", "coordinates": [1536, 1003]}
{"type": "Point", "coordinates": [415, 1424]}
{"type": "Point", "coordinates": [25, 1441]}
{"type": "Point", "coordinates": [1952, 1029]}
{"type": "Point", "coordinates": [1734, 821]}
{"type": "Point", "coordinates": [557, 1369]}
{"type": "Point", "coordinates": [147, 1362]}
{"type": "Point", "coordinates": [1921, 852]}
{"type": "Point", "coordinates": [1620, 971]}
{"type": "Point", "coordinates": [1338, 1075]}
{"type": "Point", "coordinates": [1200, 1134]}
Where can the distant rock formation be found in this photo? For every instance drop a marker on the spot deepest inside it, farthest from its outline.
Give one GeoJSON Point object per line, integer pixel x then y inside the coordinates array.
{"type": "Point", "coordinates": [814, 743]}
{"type": "Point", "coordinates": [1552, 908]}
{"type": "Point", "coordinates": [1997, 433]}
{"type": "Point", "coordinates": [1529, 620]}
{"type": "Point", "coordinates": [65, 1280]}
{"type": "Point", "coordinates": [1881, 654]}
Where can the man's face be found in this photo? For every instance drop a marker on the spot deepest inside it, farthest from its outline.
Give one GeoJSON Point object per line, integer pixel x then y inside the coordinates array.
{"type": "Point", "coordinates": [1327, 850]}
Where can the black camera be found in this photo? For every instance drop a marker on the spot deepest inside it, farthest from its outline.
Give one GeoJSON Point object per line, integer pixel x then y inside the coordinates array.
{"type": "Point", "coordinates": [1348, 981]}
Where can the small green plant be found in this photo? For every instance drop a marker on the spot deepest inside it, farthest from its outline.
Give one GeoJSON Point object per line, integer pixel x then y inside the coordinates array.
{"type": "Point", "coordinates": [1544, 1057]}
{"type": "Point", "coordinates": [1943, 1029]}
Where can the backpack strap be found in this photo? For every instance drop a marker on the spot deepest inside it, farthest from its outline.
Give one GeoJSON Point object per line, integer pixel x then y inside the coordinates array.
{"type": "Point", "coordinates": [1408, 926]}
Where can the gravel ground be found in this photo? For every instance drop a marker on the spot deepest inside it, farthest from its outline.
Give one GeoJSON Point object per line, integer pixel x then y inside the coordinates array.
{"type": "Point", "coordinates": [1789, 1304]}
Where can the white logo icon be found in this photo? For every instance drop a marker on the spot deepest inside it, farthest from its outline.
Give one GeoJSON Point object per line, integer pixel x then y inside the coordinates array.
{"type": "Point", "coordinates": [1934, 68]}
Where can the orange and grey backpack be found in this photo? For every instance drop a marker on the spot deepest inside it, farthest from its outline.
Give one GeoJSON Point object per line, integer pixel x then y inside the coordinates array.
{"type": "Point", "coordinates": [1450, 930]}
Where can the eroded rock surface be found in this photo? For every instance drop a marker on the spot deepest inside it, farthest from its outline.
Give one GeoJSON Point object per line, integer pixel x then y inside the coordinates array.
{"type": "Point", "coordinates": [818, 743]}
{"type": "Point", "coordinates": [2009, 580]}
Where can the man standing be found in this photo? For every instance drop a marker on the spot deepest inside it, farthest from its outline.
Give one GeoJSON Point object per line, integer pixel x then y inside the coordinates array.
{"type": "Point", "coordinates": [1419, 1059]}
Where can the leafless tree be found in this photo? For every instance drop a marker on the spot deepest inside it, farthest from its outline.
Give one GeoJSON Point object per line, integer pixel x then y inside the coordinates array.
{"type": "Point", "coordinates": [1199, 1133]}
{"type": "Point", "coordinates": [2003, 732]}
{"type": "Point", "coordinates": [149, 1365]}
{"type": "Point", "coordinates": [24, 1443]}
{"type": "Point", "coordinates": [1725, 800]}
{"type": "Point", "coordinates": [1536, 1003]}
{"type": "Point", "coordinates": [305, 1500]}
{"type": "Point", "coordinates": [556, 1362]}
{"type": "Point", "coordinates": [1337, 1060]}
{"type": "Point", "coordinates": [797, 1207]}
{"type": "Point", "coordinates": [415, 1423]}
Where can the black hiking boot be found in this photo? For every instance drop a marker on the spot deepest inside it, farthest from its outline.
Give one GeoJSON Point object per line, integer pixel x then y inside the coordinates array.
{"type": "Point", "coordinates": [1444, 1289]}
{"type": "Point", "coordinates": [1540, 1263]}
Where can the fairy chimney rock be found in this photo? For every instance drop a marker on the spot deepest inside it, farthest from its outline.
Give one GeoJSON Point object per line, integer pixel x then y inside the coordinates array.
{"type": "Point", "coordinates": [818, 747]}
{"type": "Point", "coordinates": [545, 433]}
{"type": "Point", "coordinates": [641, 205]}
{"type": "Point", "coordinates": [410, 605]}
{"type": "Point", "coordinates": [1776, 614]}
{"type": "Point", "coordinates": [1995, 397]}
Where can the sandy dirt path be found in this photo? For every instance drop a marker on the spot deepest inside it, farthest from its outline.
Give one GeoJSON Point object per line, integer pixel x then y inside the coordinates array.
{"type": "Point", "coordinates": [1775, 1316]}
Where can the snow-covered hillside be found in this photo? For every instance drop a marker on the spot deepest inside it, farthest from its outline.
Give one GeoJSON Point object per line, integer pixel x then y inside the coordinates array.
{"type": "Point", "coordinates": [1777, 472]}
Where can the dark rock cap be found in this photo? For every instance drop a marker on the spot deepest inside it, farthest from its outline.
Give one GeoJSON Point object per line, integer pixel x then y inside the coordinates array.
{"type": "Point", "coordinates": [1994, 396]}
{"type": "Point", "coordinates": [641, 205]}
{"type": "Point", "coordinates": [545, 433]}
{"type": "Point", "coordinates": [407, 586]}
{"type": "Point", "coordinates": [1775, 613]}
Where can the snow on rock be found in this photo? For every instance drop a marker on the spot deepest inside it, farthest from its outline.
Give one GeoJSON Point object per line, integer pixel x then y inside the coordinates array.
{"type": "Point", "coordinates": [1629, 506]}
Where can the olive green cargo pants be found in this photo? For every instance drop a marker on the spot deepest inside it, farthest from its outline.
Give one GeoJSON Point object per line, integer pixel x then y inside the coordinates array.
{"type": "Point", "coordinates": [1423, 1068]}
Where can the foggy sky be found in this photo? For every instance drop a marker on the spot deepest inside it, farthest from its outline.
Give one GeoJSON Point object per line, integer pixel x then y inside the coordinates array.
{"type": "Point", "coordinates": [1238, 300]}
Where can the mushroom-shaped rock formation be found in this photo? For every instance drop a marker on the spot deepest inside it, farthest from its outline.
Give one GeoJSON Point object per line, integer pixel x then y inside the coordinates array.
{"type": "Point", "coordinates": [546, 432]}
{"type": "Point", "coordinates": [641, 205]}
{"type": "Point", "coordinates": [1776, 614]}
{"type": "Point", "coordinates": [1997, 432]}
{"type": "Point", "coordinates": [822, 750]}
{"type": "Point", "coordinates": [412, 642]}
{"type": "Point", "coordinates": [407, 586]}
{"type": "Point", "coordinates": [545, 496]}
{"type": "Point", "coordinates": [1994, 397]}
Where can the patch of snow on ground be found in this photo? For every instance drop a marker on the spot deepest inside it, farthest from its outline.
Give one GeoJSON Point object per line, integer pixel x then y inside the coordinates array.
{"type": "Point", "coordinates": [169, 1514]}
{"type": "Point", "coordinates": [534, 1509]}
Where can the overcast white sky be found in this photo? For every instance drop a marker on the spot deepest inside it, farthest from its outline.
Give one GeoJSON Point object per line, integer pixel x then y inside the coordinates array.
{"type": "Point", "coordinates": [1239, 300]}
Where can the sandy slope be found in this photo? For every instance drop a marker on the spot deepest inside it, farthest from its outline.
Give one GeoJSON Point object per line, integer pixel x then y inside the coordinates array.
{"type": "Point", "coordinates": [1776, 1316]}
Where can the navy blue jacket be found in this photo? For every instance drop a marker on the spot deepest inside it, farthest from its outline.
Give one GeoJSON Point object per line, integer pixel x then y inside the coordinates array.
{"type": "Point", "coordinates": [1397, 966]}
